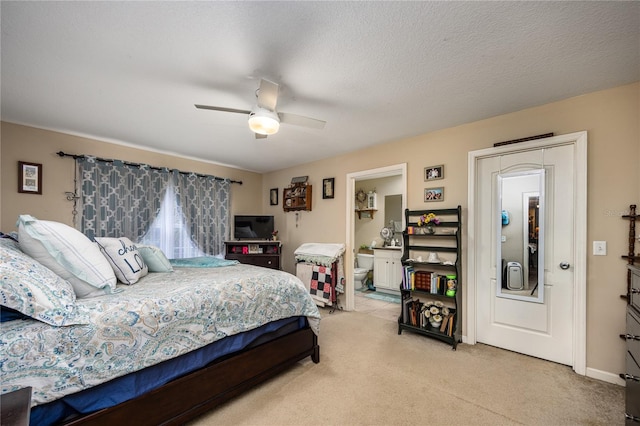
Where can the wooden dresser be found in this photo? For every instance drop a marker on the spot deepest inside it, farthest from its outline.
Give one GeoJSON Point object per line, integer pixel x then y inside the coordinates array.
{"type": "Point", "coordinates": [259, 252]}
{"type": "Point", "coordinates": [632, 336]}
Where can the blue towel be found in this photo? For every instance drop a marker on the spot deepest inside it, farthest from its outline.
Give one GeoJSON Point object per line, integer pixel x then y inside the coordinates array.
{"type": "Point", "coordinates": [202, 262]}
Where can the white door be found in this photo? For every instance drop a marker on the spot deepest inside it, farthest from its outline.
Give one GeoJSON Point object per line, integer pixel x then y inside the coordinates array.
{"type": "Point", "coordinates": [543, 328]}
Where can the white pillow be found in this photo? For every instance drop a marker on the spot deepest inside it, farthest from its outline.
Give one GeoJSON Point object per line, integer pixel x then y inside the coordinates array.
{"type": "Point", "coordinates": [124, 258]}
{"type": "Point", "coordinates": [68, 253]}
{"type": "Point", "coordinates": [33, 290]}
{"type": "Point", "coordinates": [155, 259]}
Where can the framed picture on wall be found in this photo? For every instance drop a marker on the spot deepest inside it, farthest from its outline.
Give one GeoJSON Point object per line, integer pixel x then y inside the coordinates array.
{"type": "Point", "coordinates": [327, 188]}
{"type": "Point", "coordinates": [273, 196]}
{"type": "Point", "coordinates": [29, 178]}
{"type": "Point", "coordinates": [434, 172]}
{"type": "Point", "coordinates": [434, 194]}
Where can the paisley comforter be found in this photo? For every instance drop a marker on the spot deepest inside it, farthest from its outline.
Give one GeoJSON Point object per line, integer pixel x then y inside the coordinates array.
{"type": "Point", "coordinates": [162, 316]}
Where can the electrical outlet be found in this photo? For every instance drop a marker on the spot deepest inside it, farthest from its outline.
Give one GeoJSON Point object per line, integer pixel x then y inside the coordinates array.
{"type": "Point", "coordinates": [599, 248]}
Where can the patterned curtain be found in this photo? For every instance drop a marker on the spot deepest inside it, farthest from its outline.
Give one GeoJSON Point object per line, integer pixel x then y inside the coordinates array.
{"type": "Point", "coordinates": [119, 200]}
{"type": "Point", "coordinates": [204, 204]}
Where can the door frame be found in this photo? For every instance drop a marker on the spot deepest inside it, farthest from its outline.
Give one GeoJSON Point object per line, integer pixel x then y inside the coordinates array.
{"type": "Point", "coordinates": [350, 252]}
{"type": "Point", "coordinates": [579, 142]}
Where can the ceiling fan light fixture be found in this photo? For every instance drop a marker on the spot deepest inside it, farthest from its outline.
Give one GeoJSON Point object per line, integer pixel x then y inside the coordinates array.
{"type": "Point", "coordinates": [263, 121]}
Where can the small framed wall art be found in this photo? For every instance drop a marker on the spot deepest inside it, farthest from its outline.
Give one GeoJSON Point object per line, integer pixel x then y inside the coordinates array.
{"type": "Point", "coordinates": [29, 178]}
{"type": "Point", "coordinates": [273, 196]}
{"type": "Point", "coordinates": [327, 188]}
{"type": "Point", "coordinates": [434, 172]}
{"type": "Point", "coordinates": [434, 194]}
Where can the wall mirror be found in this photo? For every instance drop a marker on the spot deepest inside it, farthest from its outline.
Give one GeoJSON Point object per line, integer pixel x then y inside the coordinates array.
{"type": "Point", "coordinates": [393, 214]}
{"type": "Point", "coordinates": [520, 236]}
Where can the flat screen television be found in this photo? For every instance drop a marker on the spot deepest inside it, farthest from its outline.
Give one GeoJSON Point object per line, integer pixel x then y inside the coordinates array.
{"type": "Point", "coordinates": [252, 227]}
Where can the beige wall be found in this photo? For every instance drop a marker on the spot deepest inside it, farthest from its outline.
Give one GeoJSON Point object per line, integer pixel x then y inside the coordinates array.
{"type": "Point", "coordinates": [21, 143]}
{"type": "Point", "coordinates": [611, 118]}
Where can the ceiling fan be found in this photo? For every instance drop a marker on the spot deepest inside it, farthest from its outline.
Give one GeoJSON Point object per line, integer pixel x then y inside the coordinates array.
{"type": "Point", "coordinates": [264, 120]}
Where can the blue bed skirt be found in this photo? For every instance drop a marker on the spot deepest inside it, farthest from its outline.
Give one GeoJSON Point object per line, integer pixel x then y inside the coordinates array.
{"type": "Point", "coordinates": [135, 384]}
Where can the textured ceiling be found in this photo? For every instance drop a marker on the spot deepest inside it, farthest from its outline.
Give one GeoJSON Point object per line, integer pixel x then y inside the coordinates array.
{"type": "Point", "coordinates": [131, 72]}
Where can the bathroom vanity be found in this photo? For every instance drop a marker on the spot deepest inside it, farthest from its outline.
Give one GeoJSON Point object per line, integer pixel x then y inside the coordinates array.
{"type": "Point", "coordinates": [387, 269]}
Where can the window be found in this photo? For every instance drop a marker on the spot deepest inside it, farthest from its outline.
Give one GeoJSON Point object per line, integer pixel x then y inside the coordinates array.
{"type": "Point", "coordinates": [169, 232]}
{"type": "Point", "coordinates": [122, 199]}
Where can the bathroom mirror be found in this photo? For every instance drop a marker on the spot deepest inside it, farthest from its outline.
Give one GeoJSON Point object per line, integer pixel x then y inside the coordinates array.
{"type": "Point", "coordinates": [520, 236]}
{"type": "Point", "coordinates": [393, 214]}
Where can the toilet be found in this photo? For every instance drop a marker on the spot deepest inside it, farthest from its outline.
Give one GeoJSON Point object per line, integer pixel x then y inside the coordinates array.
{"type": "Point", "coordinates": [365, 264]}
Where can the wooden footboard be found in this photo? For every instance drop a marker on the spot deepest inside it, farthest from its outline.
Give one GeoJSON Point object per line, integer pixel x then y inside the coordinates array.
{"type": "Point", "coordinates": [187, 397]}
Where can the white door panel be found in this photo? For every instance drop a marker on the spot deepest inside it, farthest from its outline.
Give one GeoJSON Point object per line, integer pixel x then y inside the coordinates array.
{"type": "Point", "coordinates": [545, 329]}
{"type": "Point", "coordinates": [526, 316]}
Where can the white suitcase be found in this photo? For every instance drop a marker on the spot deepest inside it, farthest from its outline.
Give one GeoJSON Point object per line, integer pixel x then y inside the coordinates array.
{"type": "Point", "coordinates": [515, 279]}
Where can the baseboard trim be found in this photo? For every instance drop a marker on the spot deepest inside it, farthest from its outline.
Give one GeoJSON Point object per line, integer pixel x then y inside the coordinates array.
{"type": "Point", "coordinates": [605, 376]}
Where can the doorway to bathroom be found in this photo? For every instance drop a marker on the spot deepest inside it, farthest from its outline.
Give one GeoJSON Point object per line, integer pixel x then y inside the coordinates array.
{"type": "Point", "coordinates": [365, 221]}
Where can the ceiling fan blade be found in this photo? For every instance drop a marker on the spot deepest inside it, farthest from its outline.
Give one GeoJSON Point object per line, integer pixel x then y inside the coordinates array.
{"type": "Point", "coordinates": [260, 136]}
{"type": "Point", "coordinates": [300, 120]}
{"type": "Point", "coordinates": [215, 108]}
{"type": "Point", "coordinates": [268, 95]}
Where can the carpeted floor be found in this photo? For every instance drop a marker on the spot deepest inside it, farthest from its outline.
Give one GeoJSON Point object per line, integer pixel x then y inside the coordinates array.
{"type": "Point", "coordinates": [370, 375]}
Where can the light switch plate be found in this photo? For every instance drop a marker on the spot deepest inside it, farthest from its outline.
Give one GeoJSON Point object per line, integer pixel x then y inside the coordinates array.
{"type": "Point", "coordinates": [599, 248]}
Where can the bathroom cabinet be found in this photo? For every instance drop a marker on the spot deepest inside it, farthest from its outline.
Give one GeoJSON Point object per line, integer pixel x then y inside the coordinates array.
{"type": "Point", "coordinates": [387, 269]}
{"type": "Point", "coordinates": [431, 277]}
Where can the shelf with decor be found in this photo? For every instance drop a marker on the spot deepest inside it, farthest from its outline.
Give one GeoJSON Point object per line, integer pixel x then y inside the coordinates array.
{"type": "Point", "coordinates": [297, 197]}
{"type": "Point", "coordinates": [366, 212]}
{"type": "Point", "coordinates": [631, 257]}
{"type": "Point", "coordinates": [430, 288]}
{"type": "Point", "coordinates": [366, 204]}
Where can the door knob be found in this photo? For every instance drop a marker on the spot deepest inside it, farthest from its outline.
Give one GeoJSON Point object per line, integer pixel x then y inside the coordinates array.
{"type": "Point", "coordinates": [564, 265]}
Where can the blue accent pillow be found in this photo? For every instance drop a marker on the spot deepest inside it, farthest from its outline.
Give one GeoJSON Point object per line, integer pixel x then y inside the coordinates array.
{"type": "Point", "coordinates": [155, 259]}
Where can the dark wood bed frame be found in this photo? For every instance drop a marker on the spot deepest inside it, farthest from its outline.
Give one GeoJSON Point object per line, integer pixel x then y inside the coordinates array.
{"type": "Point", "coordinates": [196, 393]}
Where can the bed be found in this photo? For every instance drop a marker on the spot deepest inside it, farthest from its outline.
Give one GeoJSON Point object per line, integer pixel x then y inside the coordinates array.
{"type": "Point", "coordinates": [163, 350]}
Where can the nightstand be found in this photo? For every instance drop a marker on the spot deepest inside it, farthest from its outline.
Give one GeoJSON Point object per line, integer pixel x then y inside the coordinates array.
{"type": "Point", "coordinates": [15, 407]}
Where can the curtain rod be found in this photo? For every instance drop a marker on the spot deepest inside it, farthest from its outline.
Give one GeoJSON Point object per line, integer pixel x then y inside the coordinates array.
{"type": "Point", "coordinates": [128, 163]}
